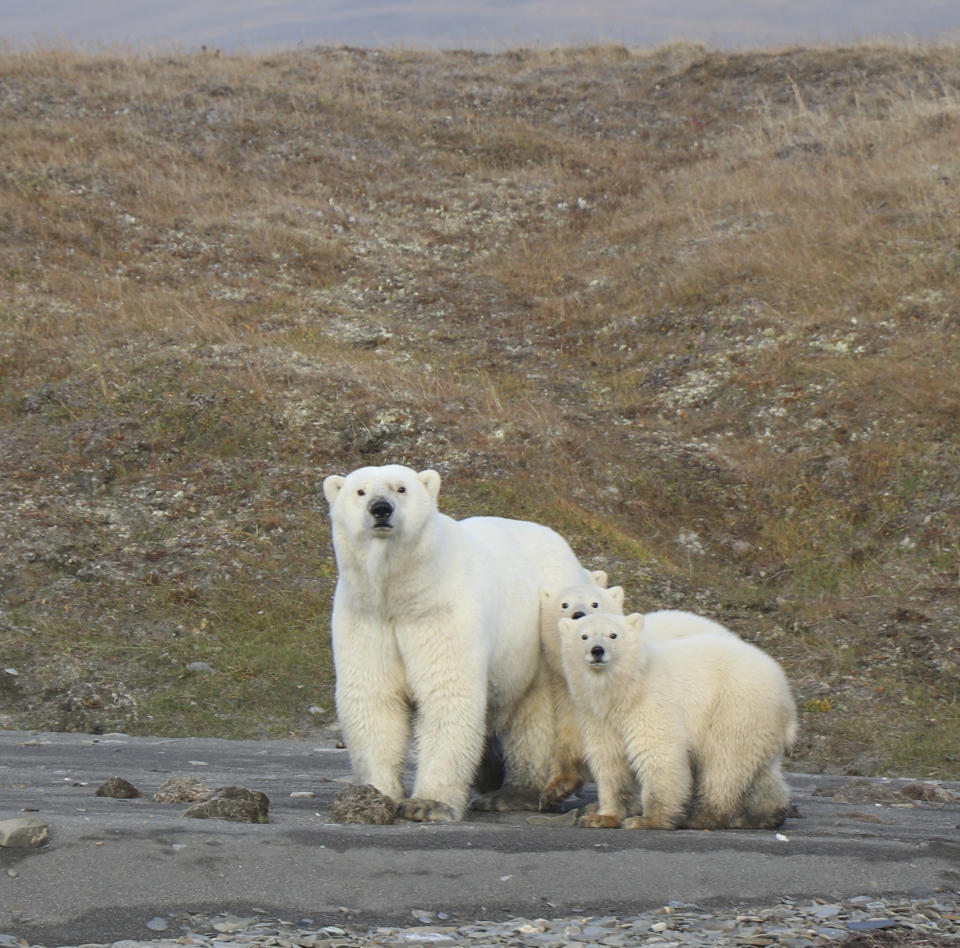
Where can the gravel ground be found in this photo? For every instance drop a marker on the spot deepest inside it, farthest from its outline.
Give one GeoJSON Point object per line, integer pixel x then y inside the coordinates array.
{"type": "Point", "coordinates": [930, 919]}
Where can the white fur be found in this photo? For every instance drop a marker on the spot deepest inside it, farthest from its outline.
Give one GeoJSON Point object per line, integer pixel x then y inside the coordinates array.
{"type": "Point", "coordinates": [440, 616]}
{"type": "Point", "coordinates": [700, 722]}
{"type": "Point", "coordinates": [675, 624]}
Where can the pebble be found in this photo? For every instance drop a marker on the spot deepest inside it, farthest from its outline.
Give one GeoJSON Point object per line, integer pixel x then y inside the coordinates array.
{"type": "Point", "coordinates": [793, 923]}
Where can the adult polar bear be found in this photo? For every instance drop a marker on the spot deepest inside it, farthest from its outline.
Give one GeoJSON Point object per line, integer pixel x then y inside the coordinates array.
{"type": "Point", "coordinates": [441, 616]}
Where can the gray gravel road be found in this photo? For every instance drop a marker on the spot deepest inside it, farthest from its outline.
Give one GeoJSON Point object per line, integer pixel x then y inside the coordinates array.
{"type": "Point", "coordinates": [110, 864]}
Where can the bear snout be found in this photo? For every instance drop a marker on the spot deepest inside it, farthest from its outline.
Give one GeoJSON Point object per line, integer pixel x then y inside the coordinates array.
{"type": "Point", "coordinates": [579, 614]}
{"type": "Point", "coordinates": [597, 654]}
{"type": "Point", "coordinates": [381, 510]}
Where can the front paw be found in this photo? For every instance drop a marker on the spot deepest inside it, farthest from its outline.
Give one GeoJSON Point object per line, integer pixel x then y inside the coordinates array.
{"type": "Point", "coordinates": [599, 821]}
{"type": "Point", "coordinates": [646, 823]}
{"type": "Point", "coordinates": [420, 810]}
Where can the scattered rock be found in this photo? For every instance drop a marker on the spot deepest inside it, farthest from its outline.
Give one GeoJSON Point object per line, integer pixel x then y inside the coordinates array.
{"type": "Point", "coordinates": [858, 922]}
{"type": "Point", "coordinates": [864, 791]}
{"type": "Point", "coordinates": [363, 803]}
{"type": "Point", "coordinates": [182, 790]}
{"type": "Point", "coordinates": [9, 680]}
{"type": "Point", "coordinates": [118, 788]}
{"type": "Point", "coordinates": [233, 803]}
{"type": "Point", "coordinates": [929, 792]}
{"type": "Point", "coordinates": [25, 832]}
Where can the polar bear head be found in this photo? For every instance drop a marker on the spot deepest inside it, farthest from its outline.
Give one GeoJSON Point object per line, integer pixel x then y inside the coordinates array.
{"type": "Point", "coordinates": [375, 503]}
{"type": "Point", "coordinates": [583, 599]}
{"type": "Point", "coordinates": [602, 641]}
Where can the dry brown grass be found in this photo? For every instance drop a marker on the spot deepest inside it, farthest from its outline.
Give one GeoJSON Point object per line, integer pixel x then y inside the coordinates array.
{"type": "Point", "coordinates": [696, 310]}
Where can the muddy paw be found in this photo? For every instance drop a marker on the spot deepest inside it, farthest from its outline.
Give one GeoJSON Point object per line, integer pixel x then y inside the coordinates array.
{"type": "Point", "coordinates": [567, 779]}
{"type": "Point", "coordinates": [645, 823]}
{"type": "Point", "coordinates": [425, 811]}
{"type": "Point", "coordinates": [556, 792]}
{"type": "Point", "coordinates": [599, 821]}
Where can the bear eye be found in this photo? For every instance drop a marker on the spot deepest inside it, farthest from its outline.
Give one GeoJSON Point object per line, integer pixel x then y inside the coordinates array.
{"type": "Point", "coordinates": [361, 493]}
{"type": "Point", "coordinates": [584, 637]}
{"type": "Point", "coordinates": [594, 605]}
{"type": "Point", "coordinates": [613, 635]}
{"type": "Point", "coordinates": [564, 605]}
{"type": "Point", "coordinates": [401, 490]}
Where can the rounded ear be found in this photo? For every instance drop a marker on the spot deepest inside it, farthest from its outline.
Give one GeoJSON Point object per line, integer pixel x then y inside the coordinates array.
{"type": "Point", "coordinates": [431, 480]}
{"type": "Point", "coordinates": [635, 621]}
{"type": "Point", "coordinates": [616, 594]}
{"type": "Point", "coordinates": [600, 578]}
{"type": "Point", "coordinates": [332, 486]}
{"type": "Point", "coordinates": [566, 625]}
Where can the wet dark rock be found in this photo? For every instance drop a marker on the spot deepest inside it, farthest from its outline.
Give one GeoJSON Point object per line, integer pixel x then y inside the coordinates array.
{"type": "Point", "coordinates": [363, 803]}
{"type": "Point", "coordinates": [182, 790]}
{"type": "Point", "coordinates": [233, 803]}
{"type": "Point", "coordinates": [118, 788]}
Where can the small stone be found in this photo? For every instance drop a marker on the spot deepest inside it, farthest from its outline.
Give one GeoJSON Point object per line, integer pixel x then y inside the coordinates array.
{"type": "Point", "coordinates": [231, 923]}
{"type": "Point", "coordinates": [23, 832]}
{"type": "Point", "coordinates": [363, 803]}
{"type": "Point", "coordinates": [437, 937]}
{"type": "Point", "coordinates": [827, 911]}
{"type": "Point", "coordinates": [929, 792]}
{"type": "Point", "coordinates": [232, 803]}
{"type": "Point", "coordinates": [202, 667]}
{"type": "Point", "coordinates": [872, 924]}
{"type": "Point", "coordinates": [157, 924]}
{"type": "Point", "coordinates": [118, 788]}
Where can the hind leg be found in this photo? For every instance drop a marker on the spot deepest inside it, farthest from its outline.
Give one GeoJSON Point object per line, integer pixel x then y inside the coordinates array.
{"type": "Point", "coordinates": [528, 738]}
{"type": "Point", "coordinates": [722, 781]}
{"type": "Point", "coordinates": [660, 761]}
{"type": "Point", "coordinates": [570, 767]}
{"type": "Point", "coordinates": [766, 803]}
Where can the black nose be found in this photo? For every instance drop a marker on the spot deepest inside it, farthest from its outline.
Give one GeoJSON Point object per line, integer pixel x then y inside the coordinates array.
{"type": "Point", "coordinates": [597, 652]}
{"type": "Point", "coordinates": [381, 509]}
{"type": "Point", "coordinates": [578, 615]}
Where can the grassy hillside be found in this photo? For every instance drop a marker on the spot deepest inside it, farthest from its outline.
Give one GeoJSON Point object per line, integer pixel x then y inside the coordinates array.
{"type": "Point", "coordinates": [699, 312]}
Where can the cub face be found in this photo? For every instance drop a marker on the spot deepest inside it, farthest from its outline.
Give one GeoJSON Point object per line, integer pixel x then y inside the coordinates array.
{"type": "Point", "coordinates": [379, 502]}
{"type": "Point", "coordinates": [582, 599]}
{"type": "Point", "coordinates": [597, 639]}
{"type": "Point", "coordinates": [577, 602]}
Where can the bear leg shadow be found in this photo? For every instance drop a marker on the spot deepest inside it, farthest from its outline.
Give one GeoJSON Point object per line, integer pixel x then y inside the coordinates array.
{"type": "Point", "coordinates": [506, 799]}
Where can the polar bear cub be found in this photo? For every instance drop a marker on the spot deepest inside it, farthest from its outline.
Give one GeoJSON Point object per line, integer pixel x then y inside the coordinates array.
{"type": "Point", "coordinates": [590, 597]}
{"type": "Point", "coordinates": [586, 597]}
{"type": "Point", "coordinates": [436, 637]}
{"type": "Point", "coordinates": [700, 721]}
